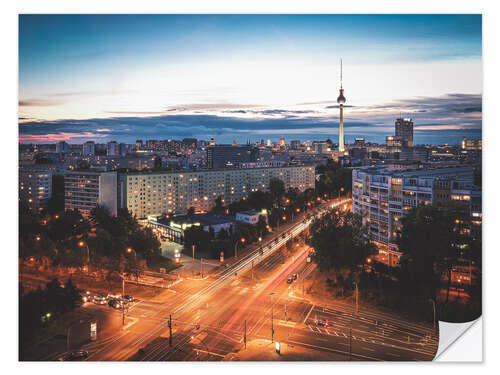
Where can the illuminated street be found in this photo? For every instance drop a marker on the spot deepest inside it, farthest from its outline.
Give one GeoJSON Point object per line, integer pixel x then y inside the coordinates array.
{"type": "Point", "coordinates": [209, 318]}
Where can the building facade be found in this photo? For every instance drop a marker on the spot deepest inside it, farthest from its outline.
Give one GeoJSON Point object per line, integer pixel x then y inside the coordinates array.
{"type": "Point", "coordinates": [145, 194]}
{"type": "Point", "coordinates": [112, 149]}
{"type": "Point", "coordinates": [35, 188]}
{"type": "Point", "coordinates": [472, 144]}
{"type": "Point", "coordinates": [404, 131]}
{"type": "Point", "coordinates": [84, 190]}
{"type": "Point", "coordinates": [382, 197]}
{"type": "Point", "coordinates": [88, 148]}
{"type": "Point", "coordinates": [230, 156]}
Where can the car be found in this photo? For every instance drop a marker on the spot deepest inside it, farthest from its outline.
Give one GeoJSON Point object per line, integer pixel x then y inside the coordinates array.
{"type": "Point", "coordinates": [322, 322]}
{"type": "Point", "coordinates": [99, 300]}
{"type": "Point", "coordinates": [76, 355]}
{"type": "Point", "coordinates": [289, 280]}
{"type": "Point", "coordinates": [113, 296]}
{"type": "Point", "coordinates": [127, 298]}
{"type": "Point", "coordinates": [294, 276]}
{"type": "Point", "coordinates": [85, 295]}
{"type": "Point", "coordinates": [115, 303]}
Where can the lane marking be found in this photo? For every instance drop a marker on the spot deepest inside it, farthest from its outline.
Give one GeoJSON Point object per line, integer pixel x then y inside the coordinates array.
{"type": "Point", "coordinates": [309, 313]}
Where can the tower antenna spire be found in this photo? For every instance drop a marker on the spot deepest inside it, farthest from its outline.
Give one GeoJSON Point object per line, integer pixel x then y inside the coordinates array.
{"type": "Point", "coordinates": [341, 72]}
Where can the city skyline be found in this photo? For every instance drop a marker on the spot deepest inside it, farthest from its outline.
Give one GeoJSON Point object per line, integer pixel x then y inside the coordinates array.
{"type": "Point", "coordinates": [245, 77]}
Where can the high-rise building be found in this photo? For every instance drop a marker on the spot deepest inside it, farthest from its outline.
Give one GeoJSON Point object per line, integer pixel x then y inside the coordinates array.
{"type": "Point", "coordinates": [359, 142]}
{"type": "Point", "coordinates": [89, 148]}
{"type": "Point", "coordinates": [112, 149]}
{"type": "Point", "coordinates": [212, 141]}
{"type": "Point", "coordinates": [472, 144]}
{"type": "Point", "coordinates": [35, 187]}
{"type": "Point", "coordinates": [404, 131]}
{"type": "Point", "coordinates": [295, 145]}
{"type": "Point", "coordinates": [282, 142]}
{"type": "Point", "coordinates": [62, 147]}
{"type": "Point", "coordinates": [268, 143]}
{"type": "Point", "coordinates": [230, 156]}
{"type": "Point", "coordinates": [138, 144]}
{"type": "Point", "coordinates": [84, 190]}
{"type": "Point", "coordinates": [321, 147]}
{"type": "Point", "coordinates": [160, 192]}
{"type": "Point", "coordinates": [383, 196]}
{"type": "Point", "coordinates": [123, 149]}
{"type": "Point", "coordinates": [341, 101]}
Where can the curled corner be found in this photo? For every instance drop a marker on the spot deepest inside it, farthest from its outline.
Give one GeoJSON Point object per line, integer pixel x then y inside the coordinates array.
{"type": "Point", "coordinates": [451, 332]}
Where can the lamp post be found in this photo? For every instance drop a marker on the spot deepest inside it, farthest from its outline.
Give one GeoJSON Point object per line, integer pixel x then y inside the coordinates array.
{"type": "Point", "coordinates": [236, 246]}
{"type": "Point", "coordinates": [357, 293]}
{"type": "Point", "coordinates": [82, 244]}
{"type": "Point", "coordinates": [434, 309]}
{"type": "Point", "coordinates": [130, 251]}
{"type": "Point", "coordinates": [272, 317]}
{"type": "Point", "coordinates": [193, 257]}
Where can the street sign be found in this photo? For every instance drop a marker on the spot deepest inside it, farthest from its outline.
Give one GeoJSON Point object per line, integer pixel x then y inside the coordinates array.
{"type": "Point", "coordinates": [278, 347]}
{"type": "Point", "coordinates": [93, 331]}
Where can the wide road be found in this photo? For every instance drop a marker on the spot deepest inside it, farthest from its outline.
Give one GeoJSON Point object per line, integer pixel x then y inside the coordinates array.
{"type": "Point", "coordinates": [210, 317]}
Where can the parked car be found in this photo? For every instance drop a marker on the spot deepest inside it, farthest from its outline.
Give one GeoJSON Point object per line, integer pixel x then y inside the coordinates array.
{"type": "Point", "coordinates": [99, 300]}
{"type": "Point", "coordinates": [76, 355]}
{"type": "Point", "coordinates": [113, 296]}
{"type": "Point", "coordinates": [294, 276]}
{"type": "Point", "coordinates": [289, 280]}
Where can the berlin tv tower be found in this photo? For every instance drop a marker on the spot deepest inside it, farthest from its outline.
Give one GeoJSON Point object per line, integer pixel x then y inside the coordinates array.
{"type": "Point", "coordinates": [341, 101]}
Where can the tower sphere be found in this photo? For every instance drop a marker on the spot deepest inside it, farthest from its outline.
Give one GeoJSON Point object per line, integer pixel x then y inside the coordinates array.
{"type": "Point", "coordinates": [341, 98]}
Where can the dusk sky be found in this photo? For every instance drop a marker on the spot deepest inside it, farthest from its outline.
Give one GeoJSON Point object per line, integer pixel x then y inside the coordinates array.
{"type": "Point", "coordinates": [128, 77]}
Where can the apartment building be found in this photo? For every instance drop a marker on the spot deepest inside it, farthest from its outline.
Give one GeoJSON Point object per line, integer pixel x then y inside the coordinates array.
{"type": "Point", "coordinates": [382, 197]}
{"type": "Point", "coordinates": [149, 193]}
{"type": "Point", "coordinates": [84, 190]}
{"type": "Point", "coordinates": [35, 187]}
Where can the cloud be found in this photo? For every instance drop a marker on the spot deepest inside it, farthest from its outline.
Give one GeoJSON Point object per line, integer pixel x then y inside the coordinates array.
{"type": "Point", "coordinates": [39, 102]}
{"type": "Point", "coordinates": [446, 115]}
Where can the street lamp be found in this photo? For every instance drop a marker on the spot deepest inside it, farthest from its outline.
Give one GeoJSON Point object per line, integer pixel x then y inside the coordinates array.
{"type": "Point", "coordinates": [82, 244]}
{"type": "Point", "coordinates": [236, 246]}
{"type": "Point", "coordinates": [434, 306]}
{"type": "Point", "coordinates": [130, 251]}
{"type": "Point", "coordinates": [272, 317]}
{"type": "Point", "coordinates": [357, 292]}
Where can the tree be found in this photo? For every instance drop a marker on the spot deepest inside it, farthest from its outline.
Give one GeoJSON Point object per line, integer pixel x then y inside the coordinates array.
{"type": "Point", "coordinates": [190, 211]}
{"type": "Point", "coordinates": [56, 202]}
{"type": "Point", "coordinates": [219, 207]}
{"type": "Point", "coordinates": [340, 241]}
{"type": "Point", "coordinates": [277, 189]}
{"type": "Point", "coordinates": [429, 239]}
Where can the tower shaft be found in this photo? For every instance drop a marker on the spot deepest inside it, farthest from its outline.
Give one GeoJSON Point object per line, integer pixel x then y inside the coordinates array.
{"type": "Point", "coordinates": [341, 129]}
